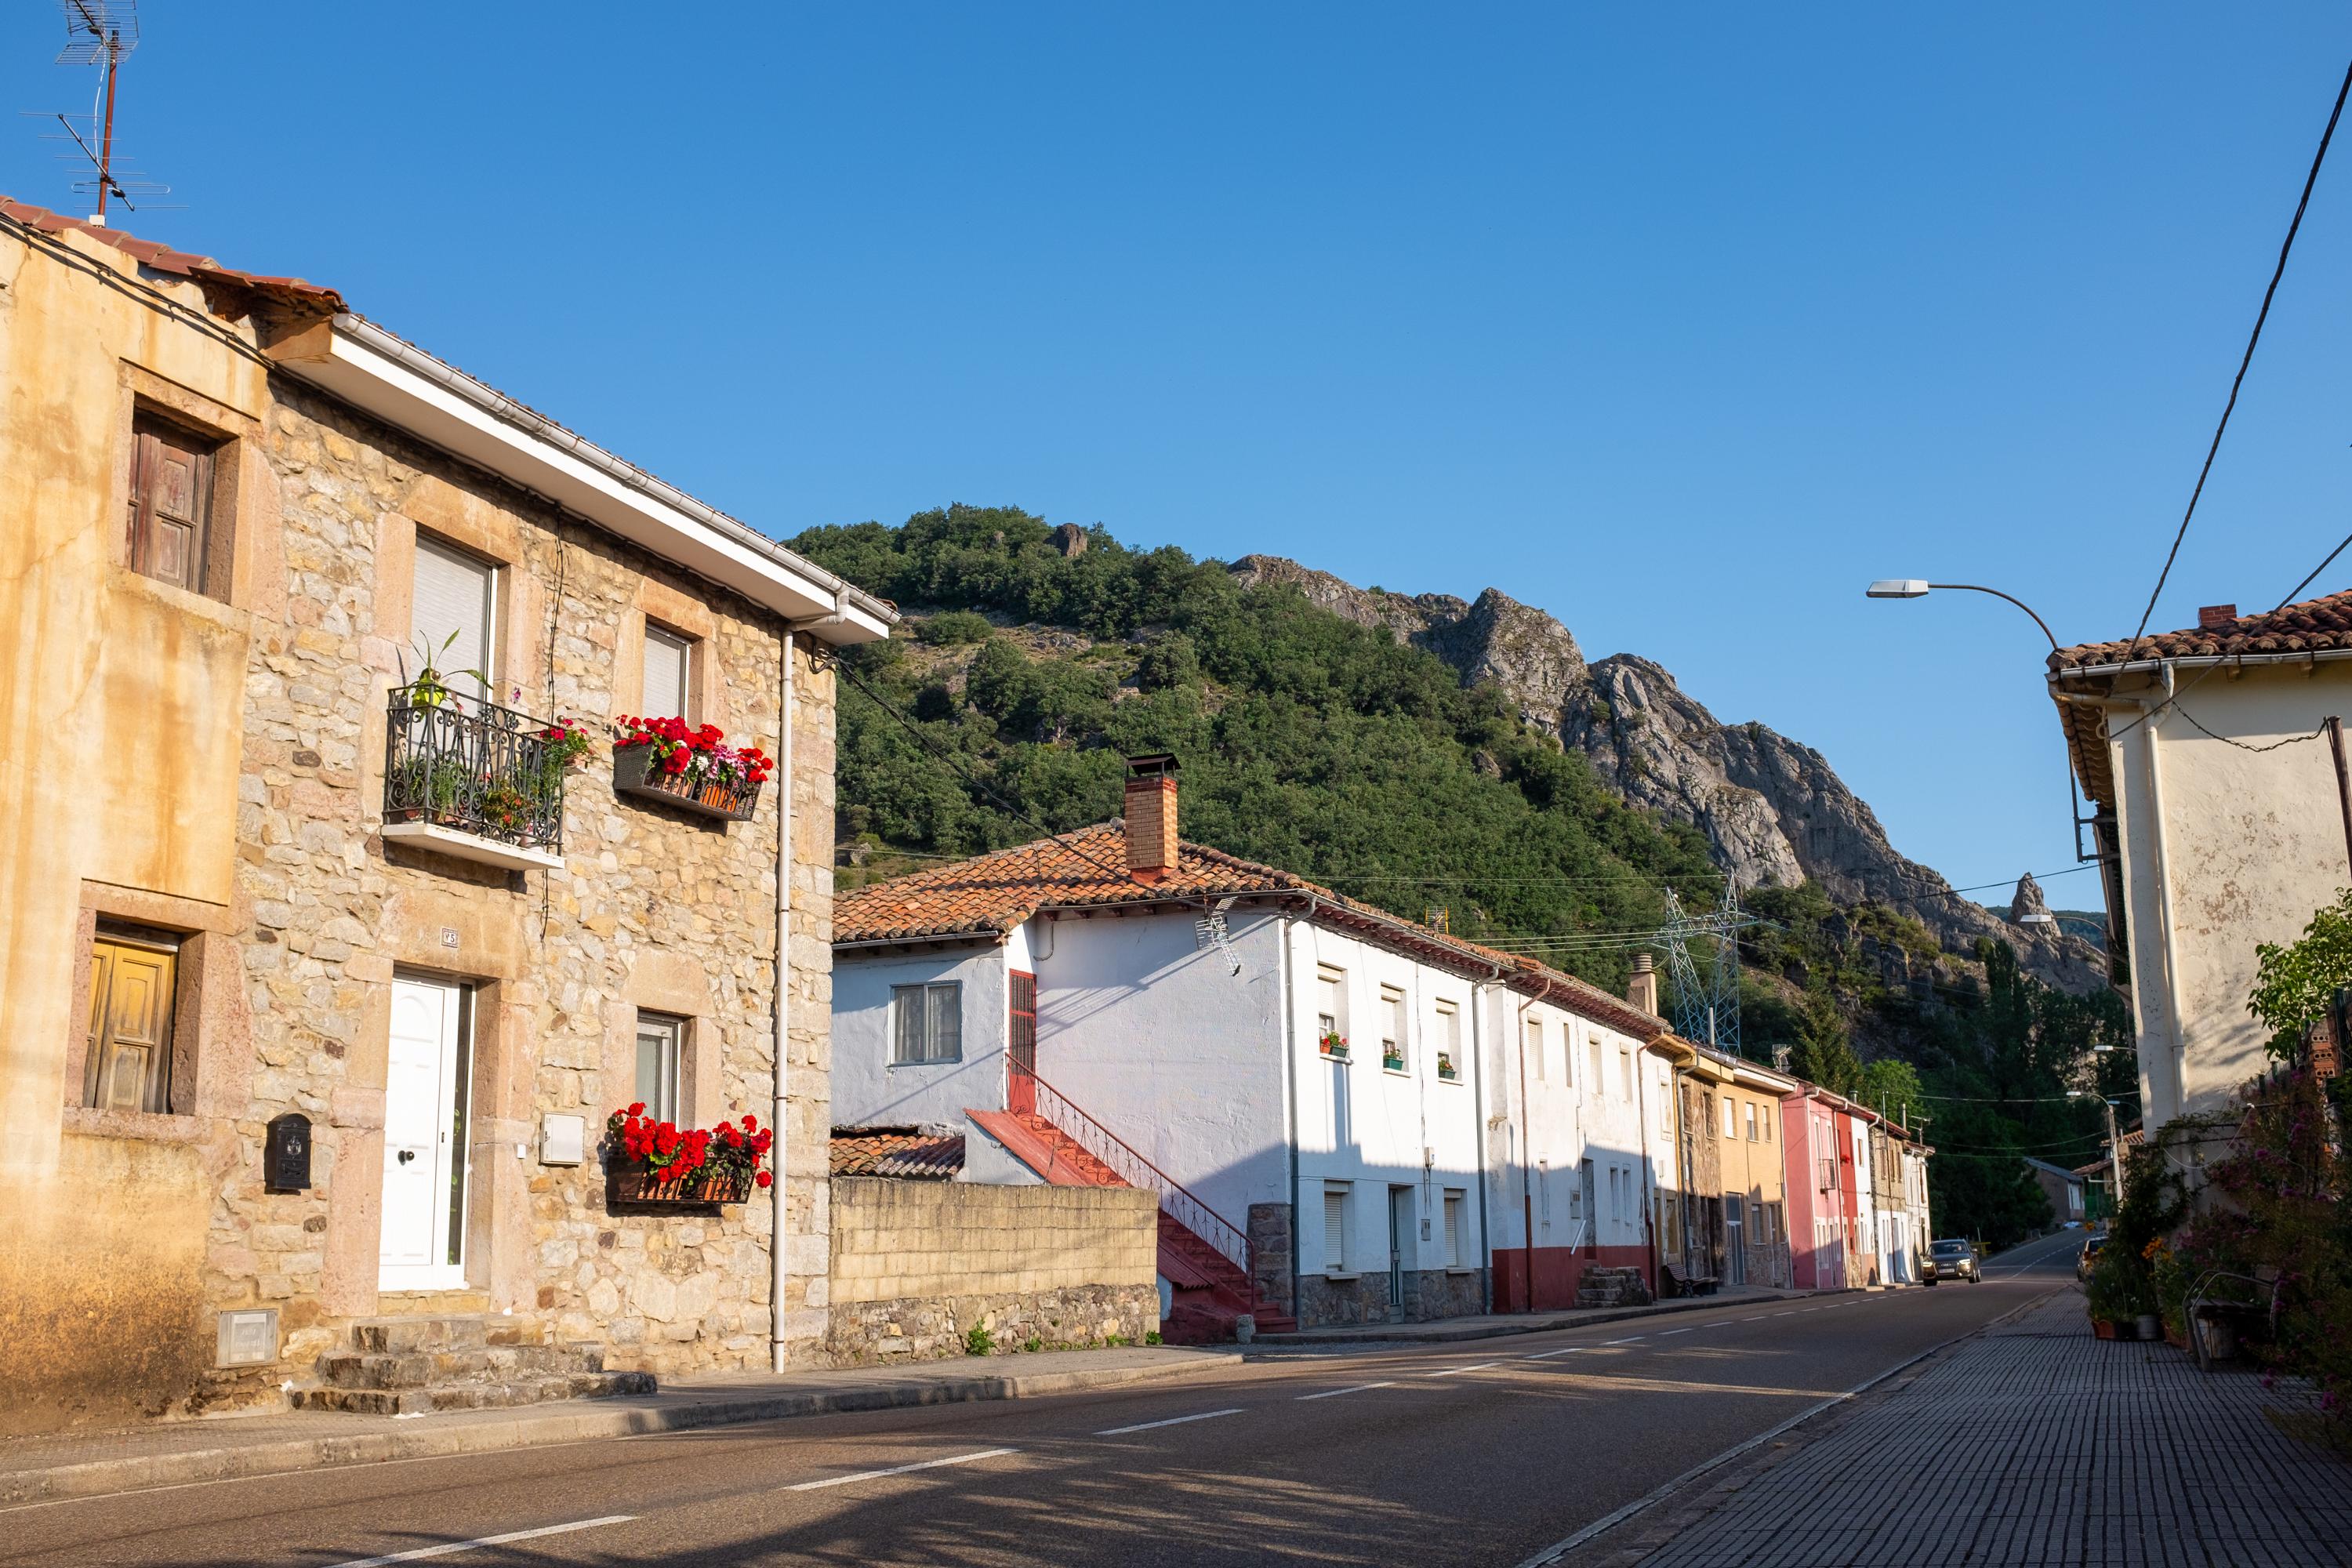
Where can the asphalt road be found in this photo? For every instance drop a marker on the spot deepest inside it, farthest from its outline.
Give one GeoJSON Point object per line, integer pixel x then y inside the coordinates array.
{"type": "Point", "coordinates": [1479, 1453]}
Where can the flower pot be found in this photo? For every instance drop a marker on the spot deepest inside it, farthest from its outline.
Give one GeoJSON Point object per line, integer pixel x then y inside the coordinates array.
{"type": "Point", "coordinates": [634, 1184]}
{"type": "Point", "coordinates": [2103, 1327]}
{"type": "Point", "coordinates": [2178, 1338]}
{"type": "Point", "coordinates": [635, 775]}
{"type": "Point", "coordinates": [2147, 1327]}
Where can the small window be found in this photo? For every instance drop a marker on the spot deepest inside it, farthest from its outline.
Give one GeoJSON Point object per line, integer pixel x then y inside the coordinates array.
{"type": "Point", "coordinates": [1449, 1040]}
{"type": "Point", "coordinates": [668, 657]}
{"type": "Point", "coordinates": [1393, 1029]}
{"type": "Point", "coordinates": [1764, 1118]}
{"type": "Point", "coordinates": [171, 504]}
{"type": "Point", "coordinates": [134, 978]}
{"type": "Point", "coordinates": [1454, 1227]}
{"type": "Point", "coordinates": [927, 1022]}
{"type": "Point", "coordinates": [1593, 1082]}
{"type": "Point", "coordinates": [1730, 1116]}
{"type": "Point", "coordinates": [1335, 1230]}
{"type": "Point", "coordinates": [1568, 1052]}
{"type": "Point", "coordinates": [1536, 1047]}
{"type": "Point", "coordinates": [1331, 1012]}
{"type": "Point", "coordinates": [1625, 1072]}
{"type": "Point", "coordinates": [1748, 1112]}
{"type": "Point", "coordinates": [661, 1042]}
{"type": "Point", "coordinates": [451, 617]}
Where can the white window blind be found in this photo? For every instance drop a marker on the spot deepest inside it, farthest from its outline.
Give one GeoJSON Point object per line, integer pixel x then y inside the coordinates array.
{"type": "Point", "coordinates": [1625, 1071]}
{"type": "Point", "coordinates": [927, 1022]}
{"type": "Point", "coordinates": [1593, 1083]}
{"type": "Point", "coordinates": [1536, 1047]}
{"type": "Point", "coordinates": [1335, 1230]}
{"type": "Point", "coordinates": [453, 604]}
{"type": "Point", "coordinates": [1730, 1116]}
{"type": "Point", "coordinates": [665, 662]}
{"type": "Point", "coordinates": [659, 1042]}
{"type": "Point", "coordinates": [1452, 1229]}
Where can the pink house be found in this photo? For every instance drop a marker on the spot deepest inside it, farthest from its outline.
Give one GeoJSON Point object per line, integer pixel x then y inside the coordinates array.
{"type": "Point", "coordinates": [1818, 1129]}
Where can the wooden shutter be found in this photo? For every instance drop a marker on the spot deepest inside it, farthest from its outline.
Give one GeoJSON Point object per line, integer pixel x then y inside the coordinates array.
{"type": "Point", "coordinates": [171, 496]}
{"type": "Point", "coordinates": [666, 664]}
{"type": "Point", "coordinates": [453, 605]}
{"type": "Point", "coordinates": [1023, 1041]}
{"type": "Point", "coordinates": [1335, 1230]}
{"type": "Point", "coordinates": [133, 985]}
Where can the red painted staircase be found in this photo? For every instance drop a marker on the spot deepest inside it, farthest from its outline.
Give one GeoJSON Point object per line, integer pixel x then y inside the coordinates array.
{"type": "Point", "coordinates": [1070, 1149]}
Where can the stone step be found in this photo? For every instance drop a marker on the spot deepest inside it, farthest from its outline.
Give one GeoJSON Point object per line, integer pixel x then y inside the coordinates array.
{"type": "Point", "coordinates": [444, 1331]}
{"type": "Point", "coordinates": [433, 1303]}
{"type": "Point", "coordinates": [483, 1364]}
{"type": "Point", "coordinates": [472, 1395]}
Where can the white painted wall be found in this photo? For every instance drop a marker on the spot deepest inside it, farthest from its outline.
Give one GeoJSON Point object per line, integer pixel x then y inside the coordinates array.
{"type": "Point", "coordinates": [868, 1089]}
{"type": "Point", "coordinates": [1557, 1114]}
{"type": "Point", "coordinates": [1367, 1128]}
{"type": "Point", "coordinates": [1157, 1039]}
{"type": "Point", "coordinates": [2251, 845]}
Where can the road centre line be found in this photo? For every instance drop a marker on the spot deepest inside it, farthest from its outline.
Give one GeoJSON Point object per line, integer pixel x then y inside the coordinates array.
{"type": "Point", "coordinates": [419, 1553]}
{"type": "Point", "coordinates": [1629, 1339]}
{"type": "Point", "coordinates": [1172, 1421]}
{"type": "Point", "coordinates": [1547, 1356]}
{"type": "Point", "coordinates": [1674, 1331]}
{"type": "Point", "coordinates": [1335, 1393]}
{"type": "Point", "coordinates": [1450, 1371]}
{"type": "Point", "coordinates": [1757, 1318]}
{"type": "Point", "coordinates": [858, 1476]}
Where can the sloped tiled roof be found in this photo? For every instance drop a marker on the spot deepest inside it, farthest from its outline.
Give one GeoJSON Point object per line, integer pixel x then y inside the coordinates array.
{"type": "Point", "coordinates": [2314, 626]}
{"type": "Point", "coordinates": [990, 895]}
{"type": "Point", "coordinates": [920, 1153]}
{"type": "Point", "coordinates": [228, 291]}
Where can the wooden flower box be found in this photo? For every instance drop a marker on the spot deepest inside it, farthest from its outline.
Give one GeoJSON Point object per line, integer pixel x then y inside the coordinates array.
{"type": "Point", "coordinates": [634, 1184]}
{"type": "Point", "coordinates": [633, 775]}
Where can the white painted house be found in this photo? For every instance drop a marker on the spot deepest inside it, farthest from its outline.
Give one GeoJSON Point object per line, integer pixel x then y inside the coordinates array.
{"type": "Point", "coordinates": [1116, 1003]}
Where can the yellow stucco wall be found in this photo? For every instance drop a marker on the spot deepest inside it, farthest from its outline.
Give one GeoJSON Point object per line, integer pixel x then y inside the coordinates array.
{"type": "Point", "coordinates": [120, 733]}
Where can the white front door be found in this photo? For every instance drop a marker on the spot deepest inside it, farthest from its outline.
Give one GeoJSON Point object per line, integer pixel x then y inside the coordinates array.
{"type": "Point", "coordinates": [423, 1244]}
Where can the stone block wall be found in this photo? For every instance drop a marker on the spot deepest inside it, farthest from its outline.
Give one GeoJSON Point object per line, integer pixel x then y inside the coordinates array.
{"type": "Point", "coordinates": [1429, 1294]}
{"type": "Point", "coordinates": [917, 1265]}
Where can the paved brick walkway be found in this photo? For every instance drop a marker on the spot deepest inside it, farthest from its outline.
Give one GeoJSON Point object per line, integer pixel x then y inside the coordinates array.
{"type": "Point", "coordinates": [2034, 1445]}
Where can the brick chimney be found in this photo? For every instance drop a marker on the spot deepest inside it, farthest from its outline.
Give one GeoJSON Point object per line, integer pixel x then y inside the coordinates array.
{"type": "Point", "coordinates": [1152, 816]}
{"type": "Point", "coordinates": [1642, 989]}
{"type": "Point", "coordinates": [2211, 616]}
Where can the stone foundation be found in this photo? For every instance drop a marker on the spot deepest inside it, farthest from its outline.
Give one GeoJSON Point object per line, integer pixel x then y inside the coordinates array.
{"type": "Point", "coordinates": [1429, 1294]}
{"type": "Point", "coordinates": [928, 1328]}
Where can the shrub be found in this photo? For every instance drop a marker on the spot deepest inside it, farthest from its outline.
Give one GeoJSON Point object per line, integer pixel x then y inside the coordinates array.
{"type": "Point", "coordinates": [951, 627]}
{"type": "Point", "coordinates": [978, 1341]}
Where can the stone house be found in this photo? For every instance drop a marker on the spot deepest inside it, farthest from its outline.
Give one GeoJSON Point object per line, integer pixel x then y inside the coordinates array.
{"type": "Point", "coordinates": [2219, 822]}
{"type": "Point", "coordinates": [321, 978]}
{"type": "Point", "coordinates": [1118, 1005]}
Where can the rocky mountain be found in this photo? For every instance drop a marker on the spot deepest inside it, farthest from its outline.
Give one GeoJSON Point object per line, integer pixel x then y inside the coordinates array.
{"type": "Point", "coordinates": [1773, 809]}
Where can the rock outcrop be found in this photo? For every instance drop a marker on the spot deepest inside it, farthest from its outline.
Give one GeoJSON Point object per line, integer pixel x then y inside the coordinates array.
{"type": "Point", "coordinates": [1774, 810]}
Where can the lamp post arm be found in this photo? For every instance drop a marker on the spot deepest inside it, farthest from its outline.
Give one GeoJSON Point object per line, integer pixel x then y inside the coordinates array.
{"type": "Point", "coordinates": [1980, 588]}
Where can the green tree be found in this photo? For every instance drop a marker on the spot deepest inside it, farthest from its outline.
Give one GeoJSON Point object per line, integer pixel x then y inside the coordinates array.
{"type": "Point", "coordinates": [2295, 981]}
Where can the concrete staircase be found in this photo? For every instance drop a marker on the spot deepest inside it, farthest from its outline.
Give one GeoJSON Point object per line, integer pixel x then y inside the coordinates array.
{"type": "Point", "coordinates": [1211, 1292]}
{"type": "Point", "coordinates": [461, 1361]}
{"type": "Point", "coordinates": [1612, 1287]}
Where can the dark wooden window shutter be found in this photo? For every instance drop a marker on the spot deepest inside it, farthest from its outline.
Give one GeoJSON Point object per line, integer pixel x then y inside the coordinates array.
{"type": "Point", "coordinates": [133, 993]}
{"type": "Point", "coordinates": [170, 493]}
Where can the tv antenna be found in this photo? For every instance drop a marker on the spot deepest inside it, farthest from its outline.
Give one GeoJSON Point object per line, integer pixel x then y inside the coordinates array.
{"type": "Point", "coordinates": [101, 32]}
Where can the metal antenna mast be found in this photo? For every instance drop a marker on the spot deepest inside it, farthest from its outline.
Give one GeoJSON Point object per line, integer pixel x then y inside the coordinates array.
{"type": "Point", "coordinates": [102, 32]}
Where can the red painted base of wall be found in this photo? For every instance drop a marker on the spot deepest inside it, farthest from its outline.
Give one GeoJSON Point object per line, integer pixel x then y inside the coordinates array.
{"type": "Point", "coordinates": [1558, 1270]}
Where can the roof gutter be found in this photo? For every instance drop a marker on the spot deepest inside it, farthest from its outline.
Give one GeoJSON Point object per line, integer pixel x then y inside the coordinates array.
{"type": "Point", "coordinates": [2196, 661]}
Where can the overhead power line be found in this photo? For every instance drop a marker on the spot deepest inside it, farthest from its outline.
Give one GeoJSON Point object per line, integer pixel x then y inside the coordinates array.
{"type": "Point", "coordinates": [2277, 272]}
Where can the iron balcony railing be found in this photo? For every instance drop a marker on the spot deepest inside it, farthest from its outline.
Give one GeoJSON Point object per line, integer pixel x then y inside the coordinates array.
{"type": "Point", "coordinates": [463, 764]}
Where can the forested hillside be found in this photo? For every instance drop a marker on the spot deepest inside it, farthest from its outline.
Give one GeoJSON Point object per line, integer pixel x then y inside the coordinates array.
{"type": "Point", "coordinates": [1338, 751]}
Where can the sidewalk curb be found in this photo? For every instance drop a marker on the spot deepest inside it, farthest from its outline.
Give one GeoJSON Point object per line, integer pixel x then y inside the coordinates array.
{"type": "Point", "coordinates": [1385, 1334]}
{"type": "Point", "coordinates": [104, 1478]}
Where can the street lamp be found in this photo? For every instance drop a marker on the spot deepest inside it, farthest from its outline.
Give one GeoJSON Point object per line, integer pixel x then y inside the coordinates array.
{"type": "Point", "coordinates": [1915, 588]}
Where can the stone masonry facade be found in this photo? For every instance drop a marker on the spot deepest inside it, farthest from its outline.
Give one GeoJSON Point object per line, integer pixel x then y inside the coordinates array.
{"type": "Point", "coordinates": [653, 907]}
{"type": "Point", "coordinates": [919, 1265]}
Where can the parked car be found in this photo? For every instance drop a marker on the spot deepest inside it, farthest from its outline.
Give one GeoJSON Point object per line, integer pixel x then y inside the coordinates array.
{"type": "Point", "coordinates": [2090, 1256]}
{"type": "Point", "coordinates": [1951, 1258]}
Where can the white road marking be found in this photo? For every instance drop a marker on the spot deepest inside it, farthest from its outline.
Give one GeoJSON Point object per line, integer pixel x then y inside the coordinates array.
{"type": "Point", "coordinates": [1450, 1371]}
{"type": "Point", "coordinates": [443, 1550]}
{"type": "Point", "coordinates": [893, 1470]}
{"type": "Point", "coordinates": [1784, 1314]}
{"type": "Point", "coordinates": [1172, 1421]}
{"type": "Point", "coordinates": [1629, 1339]}
{"type": "Point", "coordinates": [1335, 1393]}
{"type": "Point", "coordinates": [1757, 1318]}
{"type": "Point", "coordinates": [1673, 1331]}
{"type": "Point", "coordinates": [1547, 1356]}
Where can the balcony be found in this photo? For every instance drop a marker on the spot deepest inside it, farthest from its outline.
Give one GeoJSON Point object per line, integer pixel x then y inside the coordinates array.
{"type": "Point", "coordinates": [470, 779]}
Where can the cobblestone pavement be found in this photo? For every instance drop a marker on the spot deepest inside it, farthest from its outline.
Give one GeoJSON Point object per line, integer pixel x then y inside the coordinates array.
{"type": "Point", "coordinates": [2033, 1444]}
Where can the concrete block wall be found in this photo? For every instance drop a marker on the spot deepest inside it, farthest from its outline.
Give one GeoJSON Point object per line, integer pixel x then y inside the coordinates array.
{"type": "Point", "coordinates": [917, 1265]}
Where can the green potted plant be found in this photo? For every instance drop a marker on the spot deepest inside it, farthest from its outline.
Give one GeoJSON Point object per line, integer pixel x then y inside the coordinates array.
{"type": "Point", "coordinates": [1332, 1044]}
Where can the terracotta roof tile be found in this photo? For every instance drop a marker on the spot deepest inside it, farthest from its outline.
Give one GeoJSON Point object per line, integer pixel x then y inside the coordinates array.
{"type": "Point", "coordinates": [920, 1153]}
{"type": "Point", "coordinates": [229, 292]}
{"type": "Point", "coordinates": [991, 894]}
{"type": "Point", "coordinates": [2314, 626]}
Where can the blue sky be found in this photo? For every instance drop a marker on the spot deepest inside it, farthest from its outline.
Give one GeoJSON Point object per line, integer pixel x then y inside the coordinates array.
{"type": "Point", "coordinates": [1681, 324]}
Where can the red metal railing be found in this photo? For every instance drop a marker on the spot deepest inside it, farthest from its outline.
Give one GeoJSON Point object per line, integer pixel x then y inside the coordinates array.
{"type": "Point", "coordinates": [1229, 1239]}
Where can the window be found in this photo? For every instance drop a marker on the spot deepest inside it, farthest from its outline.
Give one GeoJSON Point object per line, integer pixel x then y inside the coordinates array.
{"type": "Point", "coordinates": [1730, 1116]}
{"type": "Point", "coordinates": [927, 1022]}
{"type": "Point", "coordinates": [1335, 1230]}
{"type": "Point", "coordinates": [1764, 1116]}
{"type": "Point", "coordinates": [1751, 1113]}
{"type": "Point", "coordinates": [1449, 1040]}
{"type": "Point", "coordinates": [1626, 1073]}
{"type": "Point", "coordinates": [661, 1045]}
{"type": "Point", "coordinates": [451, 617]}
{"type": "Point", "coordinates": [1331, 1012]}
{"type": "Point", "coordinates": [171, 503]}
{"type": "Point", "coordinates": [1543, 1193]}
{"type": "Point", "coordinates": [1593, 1081]}
{"type": "Point", "coordinates": [133, 990]}
{"type": "Point", "coordinates": [1454, 1196]}
{"type": "Point", "coordinates": [1536, 1047]}
{"type": "Point", "coordinates": [666, 654]}
{"type": "Point", "coordinates": [1393, 1028]}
